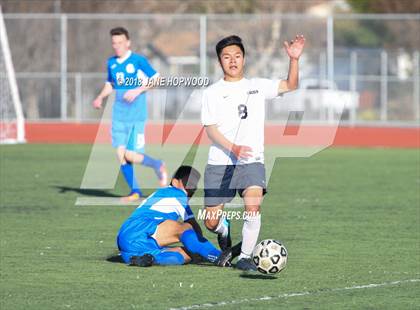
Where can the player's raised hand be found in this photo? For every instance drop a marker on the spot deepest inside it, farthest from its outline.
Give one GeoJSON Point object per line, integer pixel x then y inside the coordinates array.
{"type": "Point", "coordinates": [131, 95]}
{"type": "Point", "coordinates": [97, 103]}
{"type": "Point", "coordinates": [241, 151]}
{"type": "Point", "coordinates": [294, 48]}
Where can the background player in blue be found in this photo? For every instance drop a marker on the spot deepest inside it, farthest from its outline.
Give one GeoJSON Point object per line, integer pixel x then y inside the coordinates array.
{"type": "Point", "coordinates": [144, 237]}
{"type": "Point", "coordinates": [130, 75]}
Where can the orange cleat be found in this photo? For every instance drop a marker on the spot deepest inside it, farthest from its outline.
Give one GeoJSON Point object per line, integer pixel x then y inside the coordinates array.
{"type": "Point", "coordinates": [133, 197]}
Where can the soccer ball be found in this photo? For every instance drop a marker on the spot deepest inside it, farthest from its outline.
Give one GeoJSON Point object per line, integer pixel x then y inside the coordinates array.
{"type": "Point", "coordinates": [270, 256]}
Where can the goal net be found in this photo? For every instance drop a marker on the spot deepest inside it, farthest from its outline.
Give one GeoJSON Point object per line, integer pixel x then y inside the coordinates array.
{"type": "Point", "coordinates": [12, 122]}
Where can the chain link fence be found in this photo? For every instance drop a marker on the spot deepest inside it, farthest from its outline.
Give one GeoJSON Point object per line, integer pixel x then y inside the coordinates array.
{"type": "Point", "coordinates": [60, 61]}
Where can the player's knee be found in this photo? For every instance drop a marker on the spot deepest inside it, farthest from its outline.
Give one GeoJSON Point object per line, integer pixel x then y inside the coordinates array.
{"type": "Point", "coordinates": [128, 156]}
{"type": "Point", "coordinates": [183, 227]}
{"type": "Point", "coordinates": [121, 155]}
{"type": "Point", "coordinates": [253, 210]}
{"type": "Point", "coordinates": [122, 160]}
{"type": "Point", "coordinates": [211, 224]}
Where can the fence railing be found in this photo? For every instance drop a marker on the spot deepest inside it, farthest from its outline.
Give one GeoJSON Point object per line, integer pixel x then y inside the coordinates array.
{"type": "Point", "coordinates": [60, 59]}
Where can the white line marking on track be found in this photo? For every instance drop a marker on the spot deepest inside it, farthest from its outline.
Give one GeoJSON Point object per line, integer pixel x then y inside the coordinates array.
{"type": "Point", "coordinates": [296, 294]}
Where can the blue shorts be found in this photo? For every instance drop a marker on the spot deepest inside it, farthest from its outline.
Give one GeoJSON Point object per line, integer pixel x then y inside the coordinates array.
{"type": "Point", "coordinates": [129, 135]}
{"type": "Point", "coordinates": [137, 240]}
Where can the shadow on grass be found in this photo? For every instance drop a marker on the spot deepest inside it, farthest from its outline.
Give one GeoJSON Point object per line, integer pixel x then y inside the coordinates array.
{"type": "Point", "coordinates": [196, 260]}
{"type": "Point", "coordinates": [257, 276]}
{"type": "Point", "coordinates": [115, 258]}
{"type": "Point", "coordinates": [85, 192]}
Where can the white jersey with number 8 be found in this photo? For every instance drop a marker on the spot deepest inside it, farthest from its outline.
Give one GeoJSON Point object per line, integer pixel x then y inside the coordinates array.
{"type": "Point", "coordinates": [238, 111]}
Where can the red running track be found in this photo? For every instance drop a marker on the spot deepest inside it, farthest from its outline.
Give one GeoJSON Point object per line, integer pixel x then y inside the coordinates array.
{"type": "Point", "coordinates": [187, 133]}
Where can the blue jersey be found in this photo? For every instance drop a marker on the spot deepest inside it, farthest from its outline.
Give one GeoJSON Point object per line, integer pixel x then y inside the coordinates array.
{"type": "Point", "coordinates": [168, 203]}
{"type": "Point", "coordinates": [125, 74]}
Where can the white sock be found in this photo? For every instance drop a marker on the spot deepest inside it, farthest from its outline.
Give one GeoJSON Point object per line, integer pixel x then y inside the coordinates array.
{"type": "Point", "coordinates": [250, 232]}
{"type": "Point", "coordinates": [222, 227]}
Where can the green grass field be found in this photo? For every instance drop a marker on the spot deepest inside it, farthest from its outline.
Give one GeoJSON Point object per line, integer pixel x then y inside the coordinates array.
{"type": "Point", "coordinates": [349, 218]}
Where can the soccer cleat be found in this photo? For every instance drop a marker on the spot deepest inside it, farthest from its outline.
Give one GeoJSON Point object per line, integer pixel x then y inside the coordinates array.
{"type": "Point", "coordinates": [246, 264]}
{"type": "Point", "coordinates": [224, 260]}
{"type": "Point", "coordinates": [225, 242]}
{"type": "Point", "coordinates": [162, 174]}
{"type": "Point", "coordinates": [134, 196]}
{"type": "Point", "coordinates": [142, 261]}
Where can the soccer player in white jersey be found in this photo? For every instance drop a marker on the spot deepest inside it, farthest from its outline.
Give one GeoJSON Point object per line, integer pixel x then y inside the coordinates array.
{"type": "Point", "coordinates": [233, 113]}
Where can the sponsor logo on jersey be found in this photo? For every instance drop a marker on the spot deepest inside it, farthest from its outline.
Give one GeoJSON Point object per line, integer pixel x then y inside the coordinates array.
{"type": "Point", "coordinates": [130, 68]}
{"type": "Point", "coordinates": [120, 78]}
{"type": "Point", "coordinates": [252, 92]}
{"type": "Point", "coordinates": [113, 66]}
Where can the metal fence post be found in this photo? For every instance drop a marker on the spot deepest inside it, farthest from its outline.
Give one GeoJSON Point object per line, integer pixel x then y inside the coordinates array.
{"type": "Point", "coordinates": [353, 81]}
{"type": "Point", "coordinates": [63, 67]}
{"type": "Point", "coordinates": [330, 49]}
{"type": "Point", "coordinates": [416, 86]}
{"type": "Point", "coordinates": [322, 72]}
{"type": "Point", "coordinates": [384, 86]}
{"type": "Point", "coordinates": [203, 45]}
{"type": "Point", "coordinates": [78, 96]}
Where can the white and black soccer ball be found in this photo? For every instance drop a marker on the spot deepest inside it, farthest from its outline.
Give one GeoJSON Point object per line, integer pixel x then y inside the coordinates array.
{"type": "Point", "coordinates": [270, 256]}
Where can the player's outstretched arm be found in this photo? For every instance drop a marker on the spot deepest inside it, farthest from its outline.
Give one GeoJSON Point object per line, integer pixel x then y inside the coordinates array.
{"type": "Point", "coordinates": [240, 151]}
{"type": "Point", "coordinates": [294, 50]}
{"type": "Point", "coordinates": [105, 92]}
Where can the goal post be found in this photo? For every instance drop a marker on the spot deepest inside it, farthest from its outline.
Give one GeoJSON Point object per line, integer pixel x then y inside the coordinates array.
{"type": "Point", "coordinates": [12, 121]}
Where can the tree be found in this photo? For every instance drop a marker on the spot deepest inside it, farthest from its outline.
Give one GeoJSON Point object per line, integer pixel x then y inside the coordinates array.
{"type": "Point", "coordinates": [385, 6]}
{"type": "Point", "coordinates": [380, 33]}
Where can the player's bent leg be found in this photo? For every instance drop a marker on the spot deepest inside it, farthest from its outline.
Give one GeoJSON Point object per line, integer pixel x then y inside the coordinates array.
{"type": "Point", "coordinates": [121, 154]}
{"type": "Point", "coordinates": [217, 192]}
{"type": "Point", "coordinates": [252, 196]}
{"type": "Point", "coordinates": [133, 157]}
{"type": "Point", "coordinates": [136, 152]}
{"type": "Point", "coordinates": [120, 136]}
{"type": "Point", "coordinates": [199, 245]}
{"type": "Point", "coordinates": [212, 216]}
{"type": "Point", "coordinates": [149, 249]}
{"type": "Point", "coordinates": [157, 165]}
{"type": "Point", "coordinates": [217, 223]}
{"type": "Point", "coordinates": [127, 170]}
{"type": "Point", "coordinates": [166, 257]}
{"type": "Point", "coordinates": [169, 232]}
{"type": "Point", "coordinates": [172, 256]}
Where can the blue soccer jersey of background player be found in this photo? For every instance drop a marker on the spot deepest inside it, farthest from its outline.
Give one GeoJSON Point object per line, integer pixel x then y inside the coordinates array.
{"type": "Point", "coordinates": [124, 74]}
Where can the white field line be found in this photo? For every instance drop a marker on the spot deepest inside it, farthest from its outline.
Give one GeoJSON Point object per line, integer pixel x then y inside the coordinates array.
{"type": "Point", "coordinates": [296, 294]}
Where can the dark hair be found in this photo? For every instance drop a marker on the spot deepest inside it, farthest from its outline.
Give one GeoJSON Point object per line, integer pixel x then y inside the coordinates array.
{"type": "Point", "coordinates": [117, 31]}
{"type": "Point", "coordinates": [188, 175]}
{"type": "Point", "coordinates": [228, 41]}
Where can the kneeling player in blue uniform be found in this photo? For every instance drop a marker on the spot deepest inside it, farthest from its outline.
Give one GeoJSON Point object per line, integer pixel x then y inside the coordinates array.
{"type": "Point", "coordinates": [145, 237]}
